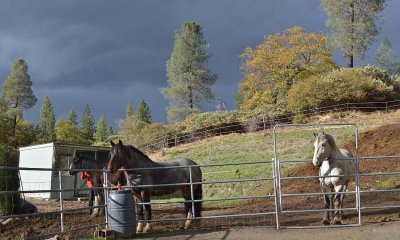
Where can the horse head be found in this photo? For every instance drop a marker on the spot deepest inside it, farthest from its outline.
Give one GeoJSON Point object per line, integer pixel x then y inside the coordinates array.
{"type": "Point", "coordinates": [76, 164]}
{"type": "Point", "coordinates": [118, 156]}
{"type": "Point", "coordinates": [323, 147]}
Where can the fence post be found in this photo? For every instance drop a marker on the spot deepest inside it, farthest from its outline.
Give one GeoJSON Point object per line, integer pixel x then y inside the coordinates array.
{"type": "Point", "coordinates": [386, 107]}
{"type": "Point", "coordinates": [61, 200]}
{"type": "Point", "coordinates": [105, 181]}
{"type": "Point", "coordinates": [191, 191]}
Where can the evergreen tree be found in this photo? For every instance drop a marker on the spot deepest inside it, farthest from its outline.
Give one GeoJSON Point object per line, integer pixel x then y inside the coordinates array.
{"type": "Point", "coordinates": [47, 120]}
{"type": "Point", "coordinates": [110, 131]}
{"type": "Point", "coordinates": [87, 127]}
{"type": "Point", "coordinates": [129, 110]}
{"type": "Point", "coordinates": [188, 78]}
{"type": "Point", "coordinates": [385, 59]}
{"type": "Point", "coordinates": [101, 130]}
{"type": "Point", "coordinates": [17, 93]}
{"type": "Point", "coordinates": [353, 25]}
{"type": "Point", "coordinates": [143, 113]}
{"type": "Point", "coordinates": [72, 117]}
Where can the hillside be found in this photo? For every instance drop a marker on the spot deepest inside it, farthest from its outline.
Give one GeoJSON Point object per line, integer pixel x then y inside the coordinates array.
{"type": "Point", "coordinates": [292, 144]}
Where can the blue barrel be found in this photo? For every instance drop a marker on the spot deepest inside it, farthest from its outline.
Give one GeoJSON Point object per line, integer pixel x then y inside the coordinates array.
{"type": "Point", "coordinates": [121, 213]}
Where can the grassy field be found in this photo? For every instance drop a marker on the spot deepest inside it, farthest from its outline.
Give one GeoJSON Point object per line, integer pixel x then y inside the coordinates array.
{"type": "Point", "coordinates": [292, 143]}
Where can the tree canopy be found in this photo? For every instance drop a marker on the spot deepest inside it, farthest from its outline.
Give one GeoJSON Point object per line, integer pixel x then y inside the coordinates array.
{"type": "Point", "coordinates": [277, 63]}
{"type": "Point", "coordinates": [353, 25]}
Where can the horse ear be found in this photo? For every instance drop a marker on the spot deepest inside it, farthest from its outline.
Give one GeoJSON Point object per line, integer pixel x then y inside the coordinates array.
{"type": "Point", "coordinates": [323, 133]}
{"type": "Point", "coordinates": [315, 134]}
{"type": "Point", "coordinates": [120, 142]}
{"type": "Point", "coordinates": [112, 143]}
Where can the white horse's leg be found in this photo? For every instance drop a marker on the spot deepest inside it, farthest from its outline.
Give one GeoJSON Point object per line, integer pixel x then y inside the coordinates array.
{"type": "Point", "coordinates": [188, 222]}
{"type": "Point", "coordinates": [148, 227]}
{"type": "Point", "coordinates": [140, 227]}
{"type": "Point", "coordinates": [327, 204]}
{"type": "Point", "coordinates": [339, 197]}
{"type": "Point", "coordinates": [97, 202]}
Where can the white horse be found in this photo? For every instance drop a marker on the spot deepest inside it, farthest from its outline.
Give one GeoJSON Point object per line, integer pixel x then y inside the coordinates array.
{"type": "Point", "coordinates": [332, 161]}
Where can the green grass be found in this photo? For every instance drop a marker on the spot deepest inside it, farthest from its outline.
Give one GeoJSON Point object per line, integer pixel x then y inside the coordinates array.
{"type": "Point", "coordinates": [293, 143]}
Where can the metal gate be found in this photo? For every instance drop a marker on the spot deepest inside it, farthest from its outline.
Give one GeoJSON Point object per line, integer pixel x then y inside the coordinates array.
{"type": "Point", "coordinates": [284, 210]}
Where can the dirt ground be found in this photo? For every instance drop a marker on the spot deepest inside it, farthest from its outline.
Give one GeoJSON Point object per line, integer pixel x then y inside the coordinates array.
{"type": "Point", "coordinates": [381, 141]}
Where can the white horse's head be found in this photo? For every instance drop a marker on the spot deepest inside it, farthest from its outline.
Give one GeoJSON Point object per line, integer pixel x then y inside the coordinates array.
{"type": "Point", "coordinates": [323, 146]}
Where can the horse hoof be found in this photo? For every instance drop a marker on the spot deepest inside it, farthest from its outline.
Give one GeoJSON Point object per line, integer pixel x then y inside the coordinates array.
{"type": "Point", "coordinates": [338, 222]}
{"type": "Point", "coordinates": [147, 228]}
{"type": "Point", "coordinates": [326, 222]}
{"type": "Point", "coordinates": [140, 227]}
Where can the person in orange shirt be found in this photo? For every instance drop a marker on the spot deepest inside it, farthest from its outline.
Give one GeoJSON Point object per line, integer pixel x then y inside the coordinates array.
{"type": "Point", "coordinates": [86, 176]}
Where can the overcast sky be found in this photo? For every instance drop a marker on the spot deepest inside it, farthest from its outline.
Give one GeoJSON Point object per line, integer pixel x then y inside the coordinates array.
{"type": "Point", "coordinates": [107, 53]}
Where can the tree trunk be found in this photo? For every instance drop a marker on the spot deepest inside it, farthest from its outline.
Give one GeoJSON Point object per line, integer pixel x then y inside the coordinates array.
{"type": "Point", "coordinates": [190, 97]}
{"type": "Point", "coordinates": [350, 59]}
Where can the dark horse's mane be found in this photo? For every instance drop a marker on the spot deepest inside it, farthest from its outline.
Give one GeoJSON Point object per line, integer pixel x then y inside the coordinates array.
{"type": "Point", "coordinates": [95, 164]}
{"type": "Point", "coordinates": [138, 151]}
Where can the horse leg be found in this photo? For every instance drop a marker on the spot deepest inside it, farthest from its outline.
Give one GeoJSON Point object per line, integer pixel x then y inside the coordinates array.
{"type": "Point", "coordinates": [140, 217]}
{"type": "Point", "coordinates": [339, 197]}
{"type": "Point", "coordinates": [101, 202]}
{"type": "Point", "coordinates": [327, 204]}
{"type": "Point", "coordinates": [97, 202]}
{"type": "Point", "coordinates": [147, 211]}
{"type": "Point", "coordinates": [188, 207]}
{"type": "Point", "coordinates": [91, 198]}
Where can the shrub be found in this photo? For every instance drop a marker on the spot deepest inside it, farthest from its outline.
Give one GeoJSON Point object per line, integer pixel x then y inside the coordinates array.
{"type": "Point", "coordinates": [336, 87]}
{"type": "Point", "coordinates": [9, 181]}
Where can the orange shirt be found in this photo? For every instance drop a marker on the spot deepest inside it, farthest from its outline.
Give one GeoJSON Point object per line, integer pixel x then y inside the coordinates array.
{"type": "Point", "coordinates": [86, 175]}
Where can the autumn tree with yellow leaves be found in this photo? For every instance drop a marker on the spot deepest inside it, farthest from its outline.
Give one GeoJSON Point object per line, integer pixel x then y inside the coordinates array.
{"type": "Point", "coordinates": [279, 62]}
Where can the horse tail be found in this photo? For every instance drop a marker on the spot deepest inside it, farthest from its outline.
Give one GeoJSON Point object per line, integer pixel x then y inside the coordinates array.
{"type": "Point", "coordinates": [198, 195]}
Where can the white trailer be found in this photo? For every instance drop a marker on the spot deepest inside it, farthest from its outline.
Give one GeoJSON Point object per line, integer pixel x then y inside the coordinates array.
{"type": "Point", "coordinates": [55, 156]}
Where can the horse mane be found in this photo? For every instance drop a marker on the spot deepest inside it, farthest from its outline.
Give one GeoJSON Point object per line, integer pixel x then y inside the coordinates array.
{"type": "Point", "coordinates": [330, 139]}
{"type": "Point", "coordinates": [92, 163]}
{"type": "Point", "coordinates": [147, 163]}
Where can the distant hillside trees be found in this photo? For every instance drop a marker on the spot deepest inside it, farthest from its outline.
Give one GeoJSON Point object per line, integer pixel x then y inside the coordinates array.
{"type": "Point", "coordinates": [143, 112]}
{"type": "Point", "coordinates": [276, 64]}
{"type": "Point", "coordinates": [100, 135]}
{"type": "Point", "coordinates": [86, 124]}
{"type": "Point", "coordinates": [134, 122]}
{"type": "Point", "coordinates": [353, 25]}
{"type": "Point", "coordinates": [47, 121]}
{"type": "Point", "coordinates": [188, 77]}
{"type": "Point", "coordinates": [72, 117]}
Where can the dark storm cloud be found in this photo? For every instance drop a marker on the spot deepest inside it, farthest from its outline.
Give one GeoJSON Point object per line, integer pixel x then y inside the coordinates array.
{"type": "Point", "coordinates": [106, 53]}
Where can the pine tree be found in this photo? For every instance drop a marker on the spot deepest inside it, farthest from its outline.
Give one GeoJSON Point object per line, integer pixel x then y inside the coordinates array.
{"type": "Point", "coordinates": [353, 25]}
{"type": "Point", "coordinates": [72, 117]}
{"type": "Point", "coordinates": [188, 78]}
{"type": "Point", "coordinates": [101, 130]}
{"type": "Point", "coordinates": [47, 120]}
{"type": "Point", "coordinates": [110, 131]}
{"type": "Point", "coordinates": [87, 128]}
{"type": "Point", "coordinates": [143, 113]}
{"type": "Point", "coordinates": [129, 110]}
{"type": "Point", "coordinates": [384, 57]}
{"type": "Point", "coordinates": [17, 93]}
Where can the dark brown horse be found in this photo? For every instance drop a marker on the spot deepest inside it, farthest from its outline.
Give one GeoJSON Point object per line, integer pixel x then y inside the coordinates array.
{"type": "Point", "coordinates": [95, 179]}
{"type": "Point", "coordinates": [181, 170]}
